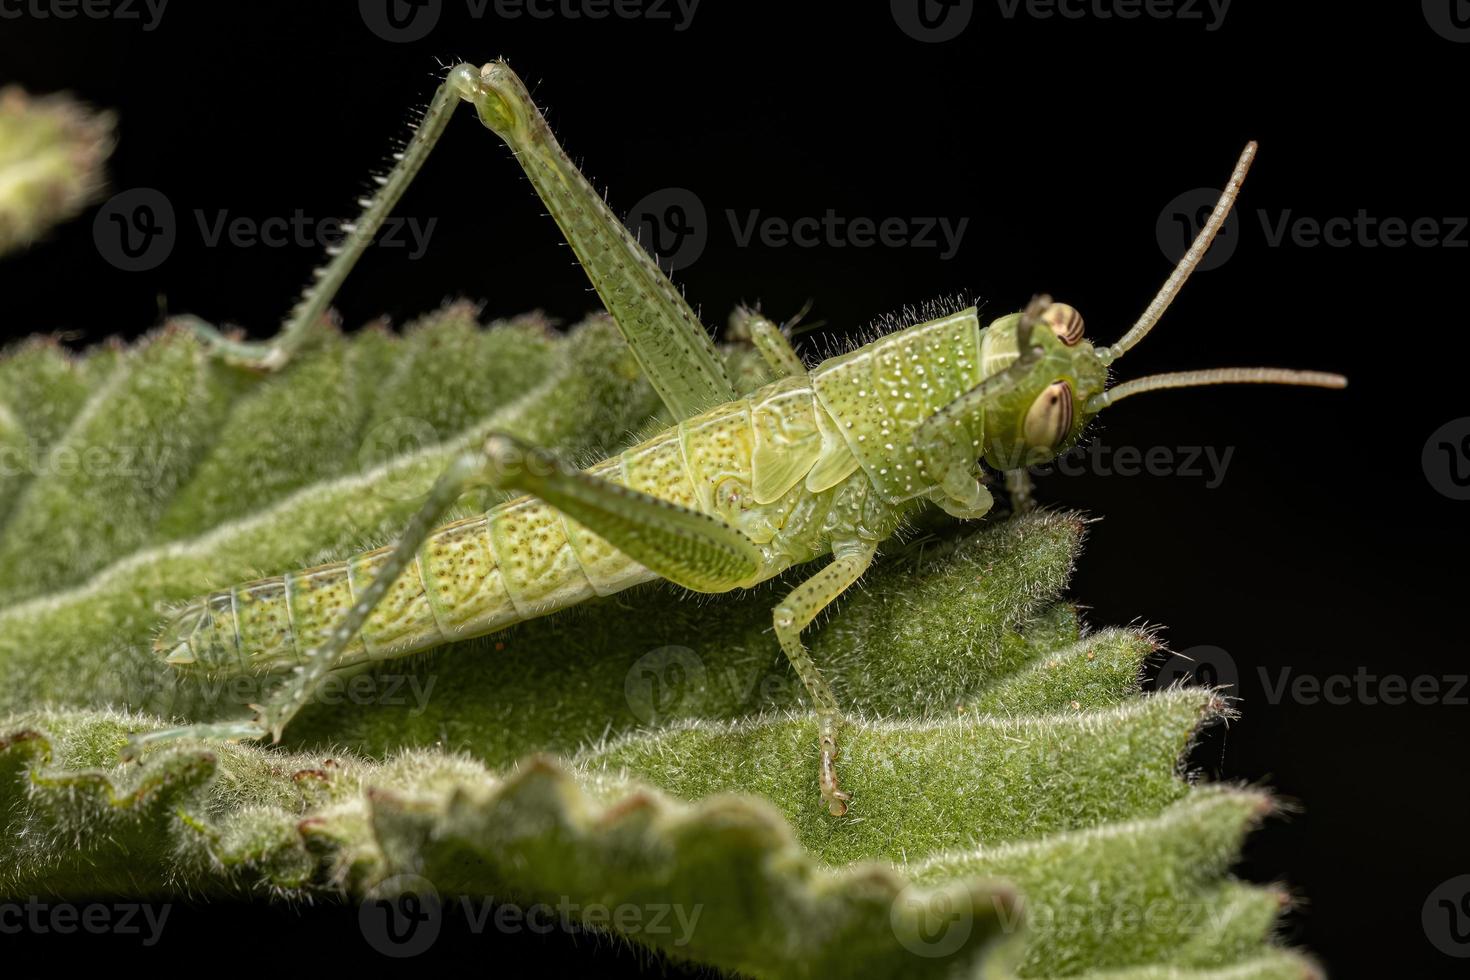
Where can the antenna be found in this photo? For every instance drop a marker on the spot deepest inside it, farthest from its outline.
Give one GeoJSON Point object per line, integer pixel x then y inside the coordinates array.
{"type": "Point", "coordinates": [1214, 376]}
{"type": "Point", "coordinates": [1187, 264]}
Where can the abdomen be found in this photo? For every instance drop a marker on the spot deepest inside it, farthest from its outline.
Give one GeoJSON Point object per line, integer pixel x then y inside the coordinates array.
{"type": "Point", "coordinates": [765, 464]}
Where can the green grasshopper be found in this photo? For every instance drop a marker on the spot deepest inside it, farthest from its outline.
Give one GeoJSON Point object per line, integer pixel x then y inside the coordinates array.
{"type": "Point", "coordinates": [823, 461]}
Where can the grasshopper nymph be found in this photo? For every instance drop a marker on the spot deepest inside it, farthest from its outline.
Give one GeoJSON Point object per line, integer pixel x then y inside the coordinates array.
{"type": "Point", "coordinates": [826, 460]}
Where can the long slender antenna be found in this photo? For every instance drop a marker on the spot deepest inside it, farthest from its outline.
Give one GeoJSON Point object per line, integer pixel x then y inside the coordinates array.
{"type": "Point", "coordinates": [1214, 376]}
{"type": "Point", "coordinates": [1186, 265]}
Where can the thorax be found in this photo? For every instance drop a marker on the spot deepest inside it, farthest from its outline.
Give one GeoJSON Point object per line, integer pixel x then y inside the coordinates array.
{"type": "Point", "coordinates": [878, 395]}
{"type": "Point", "coordinates": [772, 464]}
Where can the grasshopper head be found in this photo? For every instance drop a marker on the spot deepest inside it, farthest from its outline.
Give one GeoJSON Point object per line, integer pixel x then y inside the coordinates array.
{"type": "Point", "coordinates": [1065, 384]}
{"type": "Point", "coordinates": [1043, 415]}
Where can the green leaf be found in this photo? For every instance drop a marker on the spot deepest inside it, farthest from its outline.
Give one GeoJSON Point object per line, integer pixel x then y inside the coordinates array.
{"type": "Point", "coordinates": [734, 886]}
{"type": "Point", "coordinates": [925, 786]}
{"type": "Point", "coordinates": [109, 477]}
{"type": "Point", "coordinates": [1148, 888]}
{"type": "Point", "coordinates": [1018, 802]}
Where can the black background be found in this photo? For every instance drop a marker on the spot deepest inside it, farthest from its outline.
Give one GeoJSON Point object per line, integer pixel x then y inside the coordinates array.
{"type": "Point", "coordinates": [1324, 550]}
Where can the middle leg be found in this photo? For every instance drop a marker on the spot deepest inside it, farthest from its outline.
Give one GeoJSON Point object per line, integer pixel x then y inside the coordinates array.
{"type": "Point", "coordinates": [770, 340]}
{"type": "Point", "coordinates": [791, 617]}
{"type": "Point", "coordinates": [1022, 491]}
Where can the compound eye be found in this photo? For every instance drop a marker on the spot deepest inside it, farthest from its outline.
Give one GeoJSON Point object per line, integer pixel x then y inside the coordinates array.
{"type": "Point", "coordinates": [1049, 418]}
{"type": "Point", "coordinates": [1065, 322]}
